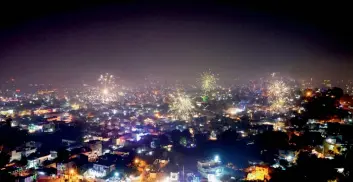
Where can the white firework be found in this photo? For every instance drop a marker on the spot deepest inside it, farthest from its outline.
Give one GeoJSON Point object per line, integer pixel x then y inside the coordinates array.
{"type": "Point", "coordinates": [107, 88]}
{"type": "Point", "coordinates": [208, 82]}
{"type": "Point", "coordinates": [278, 93]}
{"type": "Point", "coordinates": [181, 107]}
{"type": "Point", "coordinates": [278, 89]}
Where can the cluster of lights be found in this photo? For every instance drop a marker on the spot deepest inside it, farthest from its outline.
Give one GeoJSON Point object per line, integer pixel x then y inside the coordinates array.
{"type": "Point", "coordinates": [208, 82]}
{"type": "Point", "coordinates": [182, 107]}
{"type": "Point", "coordinates": [257, 173]}
{"type": "Point", "coordinates": [107, 88]}
{"type": "Point", "coordinates": [278, 93]}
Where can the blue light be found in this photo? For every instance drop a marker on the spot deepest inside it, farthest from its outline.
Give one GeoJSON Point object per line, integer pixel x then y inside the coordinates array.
{"type": "Point", "coordinates": [216, 158]}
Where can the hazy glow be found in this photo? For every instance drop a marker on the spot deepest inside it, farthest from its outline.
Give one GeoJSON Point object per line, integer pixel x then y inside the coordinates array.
{"type": "Point", "coordinates": [108, 88]}
{"type": "Point", "coordinates": [257, 173]}
{"type": "Point", "coordinates": [105, 91]}
{"type": "Point", "coordinates": [234, 110]}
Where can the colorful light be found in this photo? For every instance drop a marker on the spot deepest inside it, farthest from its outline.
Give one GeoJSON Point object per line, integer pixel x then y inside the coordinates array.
{"type": "Point", "coordinates": [208, 82]}
{"type": "Point", "coordinates": [107, 88]}
{"type": "Point", "coordinates": [257, 174]}
{"type": "Point", "coordinates": [182, 107]}
{"type": "Point", "coordinates": [216, 158]}
{"type": "Point", "coordinates": [278, 93]}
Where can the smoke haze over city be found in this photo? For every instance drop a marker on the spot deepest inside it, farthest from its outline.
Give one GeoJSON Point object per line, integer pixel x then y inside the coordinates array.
{"type": "Point", "coordinates": [72, 44]}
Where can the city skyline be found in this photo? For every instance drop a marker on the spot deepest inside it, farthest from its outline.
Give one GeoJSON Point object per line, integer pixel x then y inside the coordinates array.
{"type": "Point", "coordinates": [176, 91]}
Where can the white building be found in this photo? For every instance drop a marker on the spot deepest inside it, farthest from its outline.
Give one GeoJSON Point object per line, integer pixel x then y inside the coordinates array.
{"type": "Point", "coordinates": [210, 168]}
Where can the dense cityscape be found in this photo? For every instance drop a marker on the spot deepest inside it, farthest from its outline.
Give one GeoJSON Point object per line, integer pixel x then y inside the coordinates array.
{"type": "Point", "coordinates": [271, 129]}
{"type": "Point", "coordinates": [176, 91]}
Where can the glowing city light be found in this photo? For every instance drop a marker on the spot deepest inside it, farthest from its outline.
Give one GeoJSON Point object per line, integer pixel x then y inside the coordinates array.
{"type": "Point", "coordinates": [234, 110]}
{"type": "Point", "coordinates": [289, 158]}
{"type": "Point", "coordinates": [257, 173]}
{"type": "Point", "coordinates": [71, 171]}
{"type": "Point", "coordinates": [166, 179]}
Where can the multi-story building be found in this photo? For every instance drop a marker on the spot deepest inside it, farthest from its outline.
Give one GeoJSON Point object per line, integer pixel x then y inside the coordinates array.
{"type": "Point", "coordinates": [210, 169]}
{"type": "Point", "coordinates": [96, 147]}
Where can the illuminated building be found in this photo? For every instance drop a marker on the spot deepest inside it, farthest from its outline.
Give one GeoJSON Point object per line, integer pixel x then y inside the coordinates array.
{"type": "Point", "coordinates": [279, 126]}
{"type": "Point", "coordinates": [25, 150]}
{"type": "Point", "coordinates": [348, 88]}
{"type": "Point", "coordinates": [35, 160]}
{"type": "Point", "coordinates": [100, 169]}
{"type": "Point", "coordinates": [26, 177]}
{"type": "Point", "coordinates": [327, 83]}
{"type": "Point", "coordinates": [289, 156]}
{"type": "Point", "coordinates": [209, 168]}
{"type": "Point", "coordinates": [234, 110]}
{"type": "Point", "coordinates": [332, 146]}
{"type": "Point", "coordinates": [14, 123]}
{"type": "Point", "coordinates": [256, 173]}
{"type": "Point", "coordinates": [49, 127]}
{"type": "Point", "coordinates": [307, 83]}
{"type": "Point", "coordinates": [96, 147]}
{"type": "Point", "coordinates": [63, 168]}
{"type": "Point", "coordinates": [45, 92]}
{"type": "Point", "coordinates": [8, 112]}
{"type": "Point", "coordinates": [58, 116]}
{"type": "Point", "coordinates": [15, 155]}
{"type": "Point", "coordinates": [26, 112]}
{"type": "Point", "coordinates": [42, 111]}
{"type": "Point", "coordinates": [213, 136]}
{"type": "Point", "coordinates": [174, 176]}
{"type": "Point", "coordinates": [34, 128]}
{"type": "Point", "coordinates": [41, 127]}
{"type": "Point", "coordinates": [120, 141]}
{"type": "Point", "coordinates": [67, 142]}
{"type": "Point", "coordinates": [75, 106]}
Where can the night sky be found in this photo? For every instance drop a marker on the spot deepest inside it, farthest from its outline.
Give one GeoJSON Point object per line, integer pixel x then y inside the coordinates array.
{"type": "Point", "coordinates": [65, 43]}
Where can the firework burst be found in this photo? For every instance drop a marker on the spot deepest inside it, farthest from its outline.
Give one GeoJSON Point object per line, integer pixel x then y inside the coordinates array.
{"type": "Point", "coordinates": [208, 82]}
{"type": "Point", "coordinates": [278, 89]}
{"type": "Point", "coordinates": [181, 107]}
{"type": "Point", "coordinates": [278, 93]}
{"type": "Point", "coordinates": [278, 104]}
{"type": "Point", "coordinates": [107, 88]}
